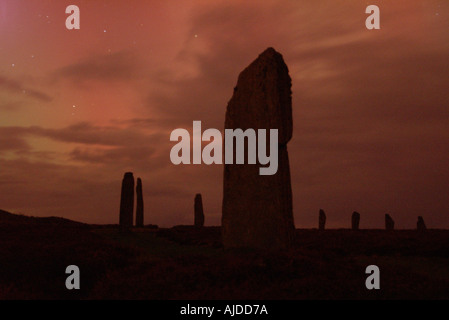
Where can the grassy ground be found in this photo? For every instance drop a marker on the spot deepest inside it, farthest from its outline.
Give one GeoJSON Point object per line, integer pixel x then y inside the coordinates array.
{"type": "Point", "coordinates": [188, 263]}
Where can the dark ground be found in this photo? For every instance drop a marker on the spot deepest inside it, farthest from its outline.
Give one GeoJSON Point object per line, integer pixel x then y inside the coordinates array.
{"type": "Point", "coordinates": [188, 263]}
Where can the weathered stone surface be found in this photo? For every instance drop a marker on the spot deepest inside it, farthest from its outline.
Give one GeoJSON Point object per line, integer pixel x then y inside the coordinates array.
{"type": "Point", "coordinates": [322, 220]}
{"type": "Point", "coordinates": [199, 213]}
{"type": "Point", "coordinates": [421, 226]}
{"type": "Point", "coordinates": [257, 209]}
{"type": "Point", "coordinates": [127, 201]}
{"type": "Point", "coordinates": [355, 220]}
{"type": "Point", "coordinates": [389, 222]}
{"type": "Point", "coordinates": [139, 204]}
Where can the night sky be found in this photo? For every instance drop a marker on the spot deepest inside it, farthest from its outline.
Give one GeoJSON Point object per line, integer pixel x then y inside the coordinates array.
{"type": "Point", "coordinates": [78, 108]}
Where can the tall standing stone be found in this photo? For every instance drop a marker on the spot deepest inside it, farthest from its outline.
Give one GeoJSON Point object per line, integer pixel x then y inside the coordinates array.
{"type": "Point", "coordinates": [322, 220]}
{"type": "Point", "coordinates": [355, 220]}
{"type": "Point", "coordinates": [199, 213]}
{"type": "Point", "coordinates": [139, 204]}
{"type": "Point", "coordinates": [257, 209]}
{"type": "Point", "coordinates": [389, 222]}
{"type": "Point", "coordinates": [421, 226]}
{"type": "Point", "coordinates": [127, 201]}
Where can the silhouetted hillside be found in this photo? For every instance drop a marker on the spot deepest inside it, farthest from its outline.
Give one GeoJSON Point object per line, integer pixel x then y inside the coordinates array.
{"type": "Point", "coordinates": [11, 217]}
{"type": "Point", "coordinates": [34, 253]}
{"type": "Point", "coordinates": [7, 216]}
{"type": "Point", "coordinates": [185, 262]}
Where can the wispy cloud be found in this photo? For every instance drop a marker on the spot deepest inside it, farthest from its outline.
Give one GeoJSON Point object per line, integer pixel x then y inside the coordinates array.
{"type": "Point", "coordinates": [83, 133]}
{"type": "Point", "coordinates": [115, 66]}
{"type": "Point", "coordinates": [16, 87]}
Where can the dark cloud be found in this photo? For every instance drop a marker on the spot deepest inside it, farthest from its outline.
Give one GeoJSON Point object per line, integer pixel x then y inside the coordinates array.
{"type": "Point", "coordinates": [87, 133]}
{"type": "Point", "coordinates": [162, 123]}
{"type": "Point", "coordinates": [115, 155]}
{"type": "Point", "coordinates": [10, 106]}
{"type": "Point", "coordinates": [116, 66]}
{"type": "Point", "coordinates": [13, 144]}
{"type": "Point", "coordinates": [84, 133]}
{"type": "Point", "coordinates": [18, 88]}
{"type": "Point", "coordinates": [136, 121]}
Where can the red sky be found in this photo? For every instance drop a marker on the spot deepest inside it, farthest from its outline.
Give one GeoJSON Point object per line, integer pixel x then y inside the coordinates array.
{"type": "Point", "coordinates": [79, 108]}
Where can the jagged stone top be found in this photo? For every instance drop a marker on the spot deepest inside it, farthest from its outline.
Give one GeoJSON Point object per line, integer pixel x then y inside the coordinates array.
{"type": "Point", "coordinates": [270, 55]}
{"type": "Point", "coordinates": [272, 61]}
{"type": "Point", "coordinates": [262, 97]}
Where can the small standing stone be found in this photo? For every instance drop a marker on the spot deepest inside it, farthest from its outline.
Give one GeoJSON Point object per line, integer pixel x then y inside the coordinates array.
{"type": "Point", "coordinates": [139, 204]}
{"type": "Point", "coordinates": [199, 213]}
{"type": "Point", "coordinates": [389, 222]}
{"type": "Point", "coordinates": [355, 220]}
{"type": "Point", "coordinates": [127, 201]}
{"type": "Point", "coordinates": [421, 226]}
{"type": "Point", "coordinates": [322, 220]}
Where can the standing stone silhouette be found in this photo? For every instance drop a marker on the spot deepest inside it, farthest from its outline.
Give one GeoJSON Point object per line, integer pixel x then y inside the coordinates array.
{"type": "Point", "coordinates": [421, 226]}
{"type": "Point", "coordinates": [199, 213]}
{"type": "Point", "coordinates": [127, 201]}
{"type": "Point", "coordinates": [389, 222]}
{"type": "Point", "coordinates": [139, 204]}
{"type": "Point", "coordinates": [322, 220]}
{"type": "Point", "coordinates": [355, 220]}
{"type": "Point", "coordinates": [257, 209]}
